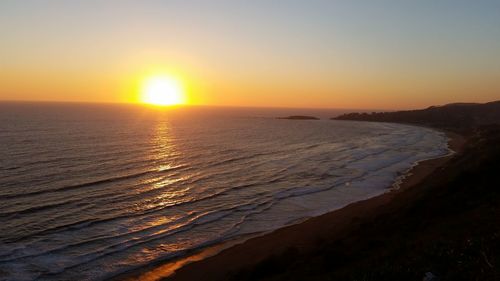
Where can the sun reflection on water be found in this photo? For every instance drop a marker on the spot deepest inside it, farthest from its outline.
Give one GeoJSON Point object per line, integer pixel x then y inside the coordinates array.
{"type": "Point", "coordinates": [169, 184]}
{"type": "Point", "coordinates": [162, 141]}
{"type": "Point", "coordinates": [167, 179]}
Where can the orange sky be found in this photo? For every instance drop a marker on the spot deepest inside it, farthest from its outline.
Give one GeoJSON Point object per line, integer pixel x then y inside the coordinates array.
{"type": "Point", "coordinates": [328, 54]}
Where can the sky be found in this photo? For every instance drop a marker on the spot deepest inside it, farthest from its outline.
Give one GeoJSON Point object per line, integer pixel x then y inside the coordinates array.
{"type": "Point", "coordinates": [383, 54]}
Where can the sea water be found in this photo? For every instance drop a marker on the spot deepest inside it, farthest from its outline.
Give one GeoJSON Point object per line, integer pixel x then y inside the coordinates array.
{"type": "Point", "coordinates": [91, 191]}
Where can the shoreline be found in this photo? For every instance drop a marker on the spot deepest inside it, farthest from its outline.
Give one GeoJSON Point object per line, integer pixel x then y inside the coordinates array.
{"type": "Point", "coordinates": [213, 261]}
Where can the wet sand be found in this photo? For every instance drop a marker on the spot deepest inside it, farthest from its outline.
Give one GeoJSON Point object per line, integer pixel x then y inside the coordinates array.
{"type": "Point", "coordinates": [220, 261]}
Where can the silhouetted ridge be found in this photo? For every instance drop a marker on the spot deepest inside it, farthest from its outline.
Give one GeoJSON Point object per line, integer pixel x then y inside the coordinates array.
{"type": "Point", "coordinates": [451, 116]}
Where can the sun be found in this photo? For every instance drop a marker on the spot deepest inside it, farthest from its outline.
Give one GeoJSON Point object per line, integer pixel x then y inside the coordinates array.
{"type": "Point", "coordinates": [163, 91]}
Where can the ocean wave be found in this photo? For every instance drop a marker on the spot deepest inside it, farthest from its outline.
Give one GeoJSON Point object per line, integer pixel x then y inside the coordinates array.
{"type": "Point", "coordinates": [132, 206]}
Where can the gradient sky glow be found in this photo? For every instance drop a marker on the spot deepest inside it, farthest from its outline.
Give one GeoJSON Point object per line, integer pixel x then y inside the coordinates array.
{"type": "Point", "coordinates": [285, 53]}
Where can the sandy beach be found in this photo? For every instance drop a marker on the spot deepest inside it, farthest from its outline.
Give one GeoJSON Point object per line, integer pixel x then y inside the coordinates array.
{"type": "Point", "coordinates": [218, 262]}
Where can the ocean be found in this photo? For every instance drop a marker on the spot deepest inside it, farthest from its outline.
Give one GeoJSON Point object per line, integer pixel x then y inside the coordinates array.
{"type": "Point", "coordinates": [90, 191]}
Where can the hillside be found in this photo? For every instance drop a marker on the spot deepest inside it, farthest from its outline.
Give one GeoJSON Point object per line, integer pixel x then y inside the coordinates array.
{"type": "Point", "coordinates": [456, 116]}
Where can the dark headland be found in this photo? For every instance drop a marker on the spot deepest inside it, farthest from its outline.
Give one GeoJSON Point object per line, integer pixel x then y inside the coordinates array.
{"type": "Point", "coordinates": [458, 117]}
{"type": "Point", "coordinates": [442, 224]}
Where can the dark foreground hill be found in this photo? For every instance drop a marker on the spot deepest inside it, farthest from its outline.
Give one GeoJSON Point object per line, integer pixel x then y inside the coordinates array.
{"type": "Point", "coordinates": [462, 116]}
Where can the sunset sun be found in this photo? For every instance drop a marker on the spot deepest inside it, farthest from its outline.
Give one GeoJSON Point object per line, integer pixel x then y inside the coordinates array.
{"type": "Point", "coordinates": [163, 91]}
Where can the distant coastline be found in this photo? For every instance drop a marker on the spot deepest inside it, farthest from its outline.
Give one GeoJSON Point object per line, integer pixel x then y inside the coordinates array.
{"type": "Point", "coordinates": [460, 117]}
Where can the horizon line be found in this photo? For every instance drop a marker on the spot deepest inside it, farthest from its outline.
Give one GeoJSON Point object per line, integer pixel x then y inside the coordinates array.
{"type": "Point", "coordinates": [219, 106]}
